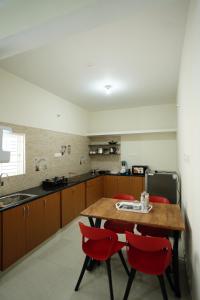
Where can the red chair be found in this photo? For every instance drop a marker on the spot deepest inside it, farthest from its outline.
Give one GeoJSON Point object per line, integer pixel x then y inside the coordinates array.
{"type": "Point", "coordinates": [119, 226]}
{"type": "Point", "coordinates": [151, 231]}
{"type": "Point", "coordinates": [149, 255]}
{"type": "Point", "coordinates": [100, 244]}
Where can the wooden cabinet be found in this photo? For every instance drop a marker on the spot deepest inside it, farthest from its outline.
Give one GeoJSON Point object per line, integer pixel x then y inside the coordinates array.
{"type": "Point", "coordinates": [79, 199]}
{"type": "Point", "coordinates": [72, 202]}
{"type": "Point", "coordinates": [67, 206]}
{"type": "Point", "coordinates": [136, 186]}
{"type": "Point", "coordinates": [0, 241]}
{"type": "Point", "coordinates": [123, 185]}
{"type": "Point", "coordinates": [94, 190]}
{"type": "Point", "coordinates": [133, 185]}
{"type": "Point", "coordinates": [51, 214]}
{"type": "Point", "coordinates": [14, 235]}
{"type": "Point", "coordinates": [34, 224]}
{"type": "Point", "coordinates": [26, 226]}
{"type": "Point", "coordinates": [43, 219]}
{"type": "Point", "coordinates": [110, 186]}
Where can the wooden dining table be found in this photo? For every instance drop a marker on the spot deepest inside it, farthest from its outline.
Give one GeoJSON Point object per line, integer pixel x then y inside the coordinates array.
{"type": "Point", "coordinates": [166, 216]}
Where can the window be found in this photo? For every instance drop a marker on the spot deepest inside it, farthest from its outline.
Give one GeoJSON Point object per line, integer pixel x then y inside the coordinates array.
{"type": "Point", "coordinates": [16, 145]}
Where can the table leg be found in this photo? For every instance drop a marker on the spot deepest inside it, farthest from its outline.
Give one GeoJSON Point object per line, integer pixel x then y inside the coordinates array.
{"type": "Point", "coordinates": [175, 264]}
{"type": "Point", "coordinates": [92, 262]}
{"type": "Point", "coordinates": [91, 221]}
{"type": "Point", "coordinates": [97, 223]}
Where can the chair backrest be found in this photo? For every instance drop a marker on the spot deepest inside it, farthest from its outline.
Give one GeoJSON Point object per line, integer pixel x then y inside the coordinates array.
{"type": "Point", "coordinates": [95, 234]}
{"type": "Point", "coordinates": [124, 197]}
{"type": "Point", "coordinates": [147, 244]}
{"type": "Point", "coordinates": [158, 199]}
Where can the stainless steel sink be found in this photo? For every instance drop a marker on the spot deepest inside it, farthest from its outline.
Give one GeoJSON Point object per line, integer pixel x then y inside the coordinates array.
{"type": "Point", "coordinates": [12, 199]}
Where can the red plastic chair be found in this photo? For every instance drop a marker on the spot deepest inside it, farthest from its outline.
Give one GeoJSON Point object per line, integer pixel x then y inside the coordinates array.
{"type": "Point", "coordinates": [100, 244]}
{"type": "Point", "coordinates": [149, 255]}
{"type": "Point", "coordinates": [151, 231]}
{"type": "Point", "coordinates": [119, 226]}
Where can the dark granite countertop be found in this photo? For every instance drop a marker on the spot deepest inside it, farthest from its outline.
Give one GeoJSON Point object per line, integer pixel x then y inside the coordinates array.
{"type": "Point", "coordinates": [39, 191]}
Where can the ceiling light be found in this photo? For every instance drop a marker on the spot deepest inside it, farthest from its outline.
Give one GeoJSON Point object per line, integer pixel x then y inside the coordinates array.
{"type": "Point", "coordinates": [108, 88]}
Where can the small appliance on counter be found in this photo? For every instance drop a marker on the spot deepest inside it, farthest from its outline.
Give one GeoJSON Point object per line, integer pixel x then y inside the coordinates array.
{"type": "Point", "coordinates": [124, 167]}
{"type": "Point", "coordinates": [139, 170]}
{"type": "Point", "coordinates": [54, 182]}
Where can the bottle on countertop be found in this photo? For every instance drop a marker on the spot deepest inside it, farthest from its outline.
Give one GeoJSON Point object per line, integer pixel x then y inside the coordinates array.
{"type": "Point", "coordinates": [144, 200]}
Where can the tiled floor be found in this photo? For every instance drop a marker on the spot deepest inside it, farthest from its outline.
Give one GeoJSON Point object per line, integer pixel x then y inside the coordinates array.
{"type": "Point", "coordinates": [51, 272]}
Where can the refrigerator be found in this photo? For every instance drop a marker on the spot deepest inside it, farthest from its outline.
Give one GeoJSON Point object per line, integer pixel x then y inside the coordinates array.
{"type": "Point", "coordinates": [163, 183]}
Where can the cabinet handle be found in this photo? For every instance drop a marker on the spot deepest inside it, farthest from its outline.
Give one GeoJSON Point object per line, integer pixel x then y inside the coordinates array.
{"type": "Point", "coordinates": [28, 214]}
{"type": "Point", "coordinates": [24, 211]}
{"type": "Point", "coordinates": [45, 203]}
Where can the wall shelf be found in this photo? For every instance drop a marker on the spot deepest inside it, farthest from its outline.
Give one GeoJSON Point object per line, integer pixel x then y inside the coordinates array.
{"type": "Point", "coordinates": [104, 149]}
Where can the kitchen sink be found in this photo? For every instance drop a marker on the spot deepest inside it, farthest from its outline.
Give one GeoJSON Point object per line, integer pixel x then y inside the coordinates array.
{"type": "Point", "coordinates": [13, 199]}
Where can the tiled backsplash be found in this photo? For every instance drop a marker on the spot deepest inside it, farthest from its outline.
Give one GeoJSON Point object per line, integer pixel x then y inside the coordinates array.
{"type": "Point", "coordinates": [42, 144]}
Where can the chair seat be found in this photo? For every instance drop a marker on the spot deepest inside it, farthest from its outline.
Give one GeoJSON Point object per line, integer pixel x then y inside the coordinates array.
{"type": "Point", "coordinates": [152, 231]}
{"type": "Point", "coordinates": [102, 249]}
{"type": "Point", "coordinates": [119, 227]}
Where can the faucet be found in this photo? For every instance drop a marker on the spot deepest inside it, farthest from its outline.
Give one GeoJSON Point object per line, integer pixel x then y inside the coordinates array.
{"type": "Point", "coordinates": [94, 171]}
{"type": "Point", "coordinates": [1, 180]}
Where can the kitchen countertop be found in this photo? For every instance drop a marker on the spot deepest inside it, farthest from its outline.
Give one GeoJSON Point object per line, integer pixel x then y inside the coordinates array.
{"type": "Point", "coordinates": [39, 191]}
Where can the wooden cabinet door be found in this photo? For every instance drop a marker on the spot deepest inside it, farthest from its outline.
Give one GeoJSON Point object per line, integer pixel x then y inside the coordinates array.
{"type": "Point", "coordinates": [51, 214]}
{"type": "Point", "coordinates": [35, 232]}
{"type": "Point", "coordinates": [110, 186]}
{"type": "Point", "coordinates": [67, 206]}
{"type": "Point", "coordinates": [79, 198]}
{"type": "Point", "coordinates": [100, 188]}
{"type": "Point", "coordinates": [0, 241]}
{"type": "Point", "coordinates": [137, 186]}
{"type": "Point", "coordinates": [94, 190]}
{"type": "Point", "coordinates": [14, 235]}
{"type": "Point", "coordinates": [124, 184]}
{"type": "Point", "coordinates": [90, 194]}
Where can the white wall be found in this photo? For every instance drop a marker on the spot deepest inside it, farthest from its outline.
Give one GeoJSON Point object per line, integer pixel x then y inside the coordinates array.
{"type": "Point", "coordinates": [157, 150]}
{"type": "Point", "coordinates": [140, 118]}
{"type": "Point", "coordinates": [26, 104]}
{"type": "Point", "coordinates": [189, 142]}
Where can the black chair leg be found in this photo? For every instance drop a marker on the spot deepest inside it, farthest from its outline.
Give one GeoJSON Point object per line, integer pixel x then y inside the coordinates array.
{"type": "Point", "coordinates": [109, 278]}
{"type": "Point", "coordinates": [168, 275]}
{"type": "Point", "coordinates": [123, 262]}
{"type": "Point", "coordinates": [129, 284]}
{"type": "Point", "coordinates": [82, 272]}
{"type": "Point", "coordinates": [163, 288]}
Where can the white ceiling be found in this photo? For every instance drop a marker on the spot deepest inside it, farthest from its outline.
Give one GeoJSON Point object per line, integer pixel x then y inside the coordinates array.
{"type": "Point", "coordinates": [134, 45]}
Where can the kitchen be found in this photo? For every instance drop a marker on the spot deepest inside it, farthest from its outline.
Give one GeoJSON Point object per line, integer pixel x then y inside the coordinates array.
{"type": "Point", "coordinates": [68, 127]}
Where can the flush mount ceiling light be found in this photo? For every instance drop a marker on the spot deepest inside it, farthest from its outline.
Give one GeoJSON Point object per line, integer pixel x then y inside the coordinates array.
{"type": "Point", "coordinates": [108, 88]}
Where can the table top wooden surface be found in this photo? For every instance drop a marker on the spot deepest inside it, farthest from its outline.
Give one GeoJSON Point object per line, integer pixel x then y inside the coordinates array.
{"type": "Point", "coordinates": [166, 216]}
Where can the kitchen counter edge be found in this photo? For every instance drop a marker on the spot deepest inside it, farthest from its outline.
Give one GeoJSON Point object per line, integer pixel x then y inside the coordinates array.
{"type": "Point", "coordinates": [40, 192]}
